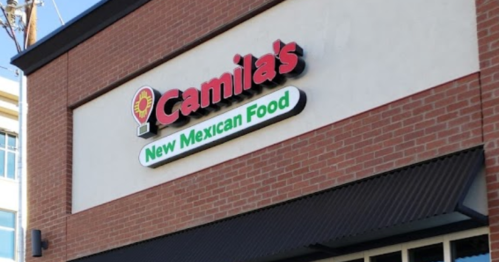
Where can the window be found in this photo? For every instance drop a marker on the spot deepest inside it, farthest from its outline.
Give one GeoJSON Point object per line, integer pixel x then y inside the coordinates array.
{"type": "Point", "coordinates": [7, 234]}
{"type": "Point", "coordinates": [465, 246]}
{"type": "Point", "coordinates": [390, 257]}
{"type": "Point", "coordinates": [431, 253]}
{"type": "Point", "coordinates": [8, 155]}
{"type": "Point", "coordinates": [473, 249]}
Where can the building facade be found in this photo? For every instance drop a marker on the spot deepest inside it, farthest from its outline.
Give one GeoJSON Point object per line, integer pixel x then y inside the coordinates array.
{"type": "Point", "coordinates": [9, 194]}
{"type": "Point", "coordinates": [264, 130]}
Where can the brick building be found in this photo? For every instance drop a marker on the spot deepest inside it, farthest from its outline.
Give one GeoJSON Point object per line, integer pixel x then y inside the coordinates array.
{"type": "Point", "coordinates": [356, 131]}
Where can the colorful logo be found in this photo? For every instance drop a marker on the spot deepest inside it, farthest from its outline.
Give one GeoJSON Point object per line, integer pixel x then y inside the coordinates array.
{"type": "Point", "coordinates": [143, 107]}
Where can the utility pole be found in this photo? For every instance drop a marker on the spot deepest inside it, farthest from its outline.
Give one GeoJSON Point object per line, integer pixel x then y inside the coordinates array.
{"type": "Point", "coordinates": [30, 30]}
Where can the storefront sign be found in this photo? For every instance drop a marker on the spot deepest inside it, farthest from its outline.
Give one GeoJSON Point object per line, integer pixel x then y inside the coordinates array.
{"type": "Point", "coordinates": [152, 110]}
{"type": "Point", "coordinates": [264, 111]}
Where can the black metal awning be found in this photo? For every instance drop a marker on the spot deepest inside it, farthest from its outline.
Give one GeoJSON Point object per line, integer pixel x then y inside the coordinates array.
{"type": "Point", "coordinates": [424, 196]}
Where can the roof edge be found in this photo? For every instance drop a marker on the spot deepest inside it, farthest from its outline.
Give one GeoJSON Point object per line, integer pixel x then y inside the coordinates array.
{"type": "Point", "coordinates": [76, 31]}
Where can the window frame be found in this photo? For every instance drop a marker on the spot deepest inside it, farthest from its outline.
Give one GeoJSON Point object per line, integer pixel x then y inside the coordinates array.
{"type": "Point", "coordinates": [14, 229]}
{"type": "Point", "coordinates": [7, 151]}
{"type": "Point", "coordinates": [404, 247]}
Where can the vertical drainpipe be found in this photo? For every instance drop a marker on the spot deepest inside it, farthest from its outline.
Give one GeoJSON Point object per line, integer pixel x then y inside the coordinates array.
{"type": "Point", "coordinates": [21, 168]}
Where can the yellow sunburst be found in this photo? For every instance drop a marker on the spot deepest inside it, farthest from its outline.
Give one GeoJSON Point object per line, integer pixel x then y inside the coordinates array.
{"type": "Point", "coordinates": [143, 112]}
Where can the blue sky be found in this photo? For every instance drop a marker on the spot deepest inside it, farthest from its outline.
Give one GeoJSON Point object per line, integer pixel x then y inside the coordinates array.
{"type": "Point", "coordinates": [48, 21]}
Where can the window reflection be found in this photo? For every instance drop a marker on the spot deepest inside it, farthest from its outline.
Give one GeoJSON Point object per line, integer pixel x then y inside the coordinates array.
{"type": "Point", "coordinates": [356, 260]}
{"type": "Point", "coordinates": [433, 253]}
{"type": "Point", "coordinates": [11, 165]}
{"type": "Point", "coordinates": [8, 155]}
{"type": "Point", "coordinates": [7, 234]}
{"type": "Point", "coordinates": [7, 246]}
{"type": "Point", "coordinates": [11, 142]}
{"type": "Point", "coordinates": [473, 249]}
{"type": "Point", "coordinates": [391, 257]}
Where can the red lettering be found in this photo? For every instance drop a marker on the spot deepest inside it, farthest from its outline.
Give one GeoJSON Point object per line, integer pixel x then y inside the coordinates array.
{"type": "Point", "coordinates": [291, 63]}
{"type": "Point", "coordinates": [266, 72]}
{"type": "Point", "coordinates": [191, 105]}
{"type": "Point", "coordinates": [238, 81]}
{"type": "Point", "coordinates": [243, 81]}
{"type": "Point", "coordinates": [164, 110]}
{"type": "Point", "coordinates": [226, 80]}
{"type": "Point", "coordinates": [248, 70]}
{"type": "Point", "coordinates": [211, 91]}
{"type": "Point", "coordinates": [247, 79]}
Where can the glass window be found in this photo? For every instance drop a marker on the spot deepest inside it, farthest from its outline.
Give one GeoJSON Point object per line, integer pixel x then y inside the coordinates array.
{"type": "Point", "coordinates": [7, 219]}
{"type": "Point", "coordinates": [11, 142]}
{"type": "Point", "coordinates": [356, 260]}
{"type": "Point", "coordinates": [2, 165]}
{"type": "Point", "coordinates": [2, 140]}
{"type": "Point", "coordinates": [390, 257]}
{"type": "Point", "coordinates": [7, 234]}
{"type": "Point", "coordinates": [8, 155]}
{"type": "Point", "coordinates": [11, 165]}
{"type": "Point", "coordinates": [433, 253]}
{"type": "Point", "coordinates": [7, 246]}
{"type": "Point", "coordinates": [473, 249]}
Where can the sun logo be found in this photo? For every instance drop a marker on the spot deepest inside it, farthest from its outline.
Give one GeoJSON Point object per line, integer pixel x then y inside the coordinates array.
{"type": "Point", "coordinates": [143, 105]}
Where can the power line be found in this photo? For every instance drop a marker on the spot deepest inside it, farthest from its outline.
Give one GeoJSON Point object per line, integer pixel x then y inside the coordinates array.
{"type": "Point", "coordinates": [11, 70]}
{"type": "Point", "coordinates": [58, 13]}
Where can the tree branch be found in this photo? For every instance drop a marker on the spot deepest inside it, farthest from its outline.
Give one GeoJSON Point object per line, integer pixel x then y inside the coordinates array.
{"type": "Point", "coordinates": [11, 34]}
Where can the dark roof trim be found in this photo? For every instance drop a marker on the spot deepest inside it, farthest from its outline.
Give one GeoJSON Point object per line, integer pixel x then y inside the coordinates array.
{"type": "Point", "coordinates": [76, 31]}
{"type": "Point", "coordinates": [417, 198]}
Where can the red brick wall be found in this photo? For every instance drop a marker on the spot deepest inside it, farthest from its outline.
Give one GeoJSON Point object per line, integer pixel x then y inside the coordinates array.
{"type": "Point", "coordinates": [488, 34]}
{"type": "Point", "coordinates": [49, 157]}
{"type": "Point", "coordinates": [440, 120]}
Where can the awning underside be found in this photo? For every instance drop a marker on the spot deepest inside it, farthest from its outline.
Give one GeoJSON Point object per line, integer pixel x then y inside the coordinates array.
{"type": "Point", "coordinates": [421, 196]}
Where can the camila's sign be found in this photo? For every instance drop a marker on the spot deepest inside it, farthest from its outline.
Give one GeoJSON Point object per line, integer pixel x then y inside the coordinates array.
{"type": "Point", "coordinates": [152, 110]}
{"type": "Point", "coordinates": [264, 111]}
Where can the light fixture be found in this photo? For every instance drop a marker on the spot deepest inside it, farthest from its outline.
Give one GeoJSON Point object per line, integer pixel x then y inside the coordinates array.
{"type": "Point", "coordinates": [37, 243]}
